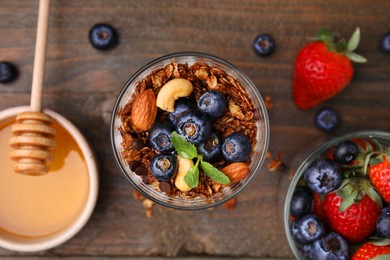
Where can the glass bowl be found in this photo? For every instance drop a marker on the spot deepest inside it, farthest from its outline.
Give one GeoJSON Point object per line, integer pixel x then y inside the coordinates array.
{"type": "Point", "coordinates": [306, 159]}
{"type": "Point", "coordinates": [259, 150]}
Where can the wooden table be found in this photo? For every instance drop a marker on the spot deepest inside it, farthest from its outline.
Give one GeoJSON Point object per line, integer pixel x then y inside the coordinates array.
{"type": "Point", "coordinates": [82, 84]}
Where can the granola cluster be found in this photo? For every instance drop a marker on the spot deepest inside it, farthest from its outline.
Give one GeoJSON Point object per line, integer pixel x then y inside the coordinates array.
{"type": "Point", "coordinates": [240, 116]}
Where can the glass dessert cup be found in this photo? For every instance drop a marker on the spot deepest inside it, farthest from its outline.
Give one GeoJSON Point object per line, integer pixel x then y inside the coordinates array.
{"type": "Point", "coordinates": [303, 161]}
{"type": "Point", "coordinates": [258, 151]}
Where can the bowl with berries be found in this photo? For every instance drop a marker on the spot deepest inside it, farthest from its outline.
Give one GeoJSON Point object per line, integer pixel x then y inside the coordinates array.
{"type": "Point", "coordinates": [338, 202]}
{"type": "Point", "coordinates": [189, 130]}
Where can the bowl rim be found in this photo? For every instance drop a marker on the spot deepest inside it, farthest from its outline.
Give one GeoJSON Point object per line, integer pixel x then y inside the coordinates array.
{"type": "Point", "coordinates": [305, 163]}
{"type": "Point", "coordinates": [60, 237]}
{"type": "Point", "coordinates": [256, 92]}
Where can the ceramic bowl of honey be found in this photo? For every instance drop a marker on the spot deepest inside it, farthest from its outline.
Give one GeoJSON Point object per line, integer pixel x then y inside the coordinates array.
{"type": "Point", "coordinates": [38, 213]}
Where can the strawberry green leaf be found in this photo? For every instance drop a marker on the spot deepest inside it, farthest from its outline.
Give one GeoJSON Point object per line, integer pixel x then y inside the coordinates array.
{"type": "Point", "coordinates": [340, 46]}
{"type": "Point", "coordinates": [348, 201]}
{"type": "Point", "coordinates": [355, 57]}
{"type": "Point", "coordinates": [192, 176]}
{"type": "Point", "coordinates": [373, 194]}
{"type": "Point", "coordinates": [323, 34]}
{"type": "Point", "coordinates": [381, 242]}
{"type": "Point", "coordinates": [382, 257]}
{"type": "Point", "coordinates": [183, 147]}
{"type": "Point", "coordinates": [345, 192]}
{"type": "Point", "coordinates": [354, 40]}
{"type": "Point", "coordinates": [367, 162]}
{"type": "Point", "coordinates": [215, 174]}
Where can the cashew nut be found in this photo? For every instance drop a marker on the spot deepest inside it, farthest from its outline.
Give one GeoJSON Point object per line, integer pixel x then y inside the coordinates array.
{"type": "Point", "coordinates": [171, 91]}
{"type": "Point", "coordinates": [184, 166]}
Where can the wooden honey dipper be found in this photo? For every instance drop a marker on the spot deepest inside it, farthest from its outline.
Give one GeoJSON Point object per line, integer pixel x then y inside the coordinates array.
{"type": "Point", "coordinates": [33, 138]}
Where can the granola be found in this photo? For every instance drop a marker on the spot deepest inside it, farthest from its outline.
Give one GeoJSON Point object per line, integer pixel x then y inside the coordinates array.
{"type": "Point", "coordinates": [239, 117]}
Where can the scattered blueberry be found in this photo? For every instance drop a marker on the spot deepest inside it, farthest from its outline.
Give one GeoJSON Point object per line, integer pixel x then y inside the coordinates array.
{"type": "Point", "coordinates": [181, 105]}
{"type": "Point", "coordinates": [331, 246]}
{"type": "Point", "coordinates": [384, 43]}
{"type": "Point", "coordinates": [264, 44]}
{"type": "Point", "coordinates": [212, 103]}
{"type": "Point", "coordinates": [383, 224]}
{"type": "Point", "coordinates": [194, 126]}
{"type": "Point", "coordinates": [163, 166]}
{"type": "Point", "coordinates": [103, 36]}
{"type": "Point", "coordinates": [307, 229]}
{"type": "Point", "coordinates": [301, 202]}
{"type": "Point", "coordinates": [160, 137]}
{"type": "Point", "coordinates": [236, 147]}
{"type": "Point", "coordinates": [8, 72]}
{"type": "Point", "coordinates": [211, 149]}
{"type": "Point", "coordinates": [326, 119]}
{"type": "Point", "coordinates": [345, 152]}
{"type": "Point", "coordinates": [323, 176]}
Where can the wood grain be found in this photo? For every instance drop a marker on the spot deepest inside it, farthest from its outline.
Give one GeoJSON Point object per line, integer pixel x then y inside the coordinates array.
{"type": "Point", "coordinates": [82, 83]}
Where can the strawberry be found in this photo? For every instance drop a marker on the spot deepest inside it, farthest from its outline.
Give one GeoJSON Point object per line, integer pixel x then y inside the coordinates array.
{"type": "Point", "coordinates": [323, 68]}
{"type": "Point", "coordinates": [379, 172]}
{"type": "Point", "coordinates": [318, 207]}
{"type": "Point", "coordinates": [370, 251]}
{"type": "Point", "coordinates": [353, 210]}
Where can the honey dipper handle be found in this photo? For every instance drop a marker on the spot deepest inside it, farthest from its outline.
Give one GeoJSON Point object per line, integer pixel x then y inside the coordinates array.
{"type": "Point", "coordinates": [40, 56]}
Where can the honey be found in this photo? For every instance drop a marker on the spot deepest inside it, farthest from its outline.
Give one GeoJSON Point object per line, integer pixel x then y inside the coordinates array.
{"type": "Point", "coordinates": [36, 206]}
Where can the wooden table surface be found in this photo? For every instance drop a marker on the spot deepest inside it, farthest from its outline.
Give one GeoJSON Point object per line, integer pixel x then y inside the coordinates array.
{"type": "Point", "coordinates": [82, 84]}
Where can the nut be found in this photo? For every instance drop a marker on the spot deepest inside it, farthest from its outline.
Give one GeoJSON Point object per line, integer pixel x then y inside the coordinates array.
{"type": "Point", "coordinates": [171, 91]}
{"type": "Point", "coordinates": [144, 111]}
{"type": "Point", "coordinates": [184, 166]}
{"type": "Point", "coordinates": [236, 171]}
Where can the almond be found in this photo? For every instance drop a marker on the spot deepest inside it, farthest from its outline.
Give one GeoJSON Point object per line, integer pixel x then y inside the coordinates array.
{"type": "Point", "coordinates": [236, 171]}
{"type": "Point", "coordinates": [144, 110]}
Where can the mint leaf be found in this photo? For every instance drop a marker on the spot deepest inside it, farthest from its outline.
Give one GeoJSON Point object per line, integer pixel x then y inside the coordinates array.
{"type": "Point", "coordinates": [192, 176]}
{"type": "Point", "coordinates": [183, 147]}
{"type": "Point", "coordinates": [215, 174]}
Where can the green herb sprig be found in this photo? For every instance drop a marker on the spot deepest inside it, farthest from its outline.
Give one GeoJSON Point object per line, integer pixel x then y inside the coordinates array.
{"type": "Point", "coordinates": [188, 150]}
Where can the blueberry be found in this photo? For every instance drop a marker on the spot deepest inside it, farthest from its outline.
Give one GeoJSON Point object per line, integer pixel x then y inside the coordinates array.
{"type": "Point", "coordinates": [384, 43]}
{"type": "Point", "coordinates": [323, 176]}
{"type": "Point", "coordinates": [212, 103]}
{"type": "Point", "coordinates": [301, 202]}
{"type": "Point", "coordinates": [8, 72]}
{"type": "Point", "coordinates": [194, 126]}
{"type": "Point", "coordinates": [345, 152]}
{"type": "Point", "coordinates": [181, 105]}
{"type": "Point", "coordinates": [383, 224]}
{"type": "Point", "coordinates": [327, 120]}
{"type": "Point", "coordinates": [211, 149]}
{"type": "Point", "coordinates": [307, 229]}
{"type": "Point", "coordinates": [330, 247]}
{"type": "Point", "coordinates": [236, 147]}
{"type": "Point", "coordinates": [103, 36]}
{"type": "Point", "coordinates": [264, 44]}
{"type": "Point", "coordinates": [160, 137]}
{"type": "Point", "coordinates": [163, 166]}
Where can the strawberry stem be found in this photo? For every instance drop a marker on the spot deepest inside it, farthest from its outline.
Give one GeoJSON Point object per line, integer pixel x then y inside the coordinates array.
{"type": "Point", "coordinates": [341, 46]}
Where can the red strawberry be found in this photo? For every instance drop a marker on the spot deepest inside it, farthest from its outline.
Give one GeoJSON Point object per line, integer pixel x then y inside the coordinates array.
{"type": "Point", "coordinates": [370, 251]}
{"type": "Point", "coordinates": [352, 213]}
{"type": "Point", "coordinates": [323, 68]}
{"type": "Point", "coordinates": [379, 172]}
{"type": "Point", "coordinates": [318, 207]}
